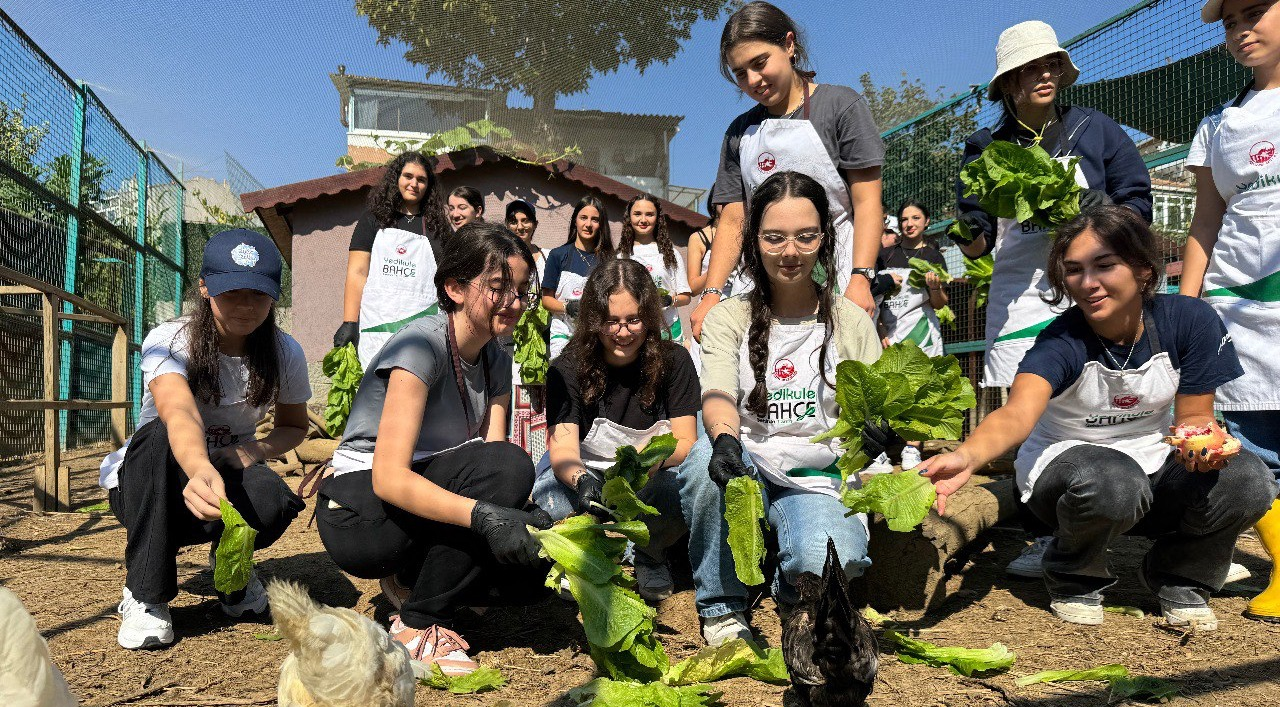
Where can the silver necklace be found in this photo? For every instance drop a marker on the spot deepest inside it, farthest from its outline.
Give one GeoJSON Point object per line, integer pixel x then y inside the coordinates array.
{"type": "Point", "coordinates": [1132, 347]}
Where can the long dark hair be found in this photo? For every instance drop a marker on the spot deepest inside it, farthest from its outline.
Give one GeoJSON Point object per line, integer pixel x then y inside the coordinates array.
{"type": "Point", "coordinates": [475, 249]}
{"type": "Point", "coordinates": [660, 235]}
{"type": "Point", "coordinates": [472, 196]}
{"type": "Point", "coordinates": [924, 239]}
{"type": "Point", "coordinates": [261, 355]}
{"type": "Point", "coordinates": [761, 22]}
{"type": "Point", "coordinates": [604, 234]}
{"type": "Point", "coordinates": [386, 204]}
{"type": "Point", "coordinates": [1121, 230]}
{"type": "Point", "coordinates": [777, 187]}
{"type": "Point", "coordinates": [610, 277]}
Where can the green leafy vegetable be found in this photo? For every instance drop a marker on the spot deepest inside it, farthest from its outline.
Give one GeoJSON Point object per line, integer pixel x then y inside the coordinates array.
{"type": "Point", "coordinates": [531, 345]}
{"type": "Point", "coordinates": [1143, 688]}
{"type": "Point", "coordinates": [1024, 184]}
{"type": "Point", "coordinates": [101, 507]}
{"type": "Point", "coordinates": [961, 661]}
{"type": "Point", "coordinates": [875, 618]}
{"type": "Point", "coordinates": [921, 398]}
{"type": "Point", "coordinates": [743, 511]}
{"type": "Point", "coordinates": [978, 273]}
{"type": "Point", "coordinates": [946, 317]}
{"type": "Point", "coordinates": [903, 499]}
{"type": "Point", "coordinates": [630, 472]}
{"type": "Point", "coordinates": [342, 367]}
{"type": "Point", "coordinates": [603, 692]}
{"type": "Point", "coordinates": [233, 560]}
{"type": "Point", "coordinates": [1105, 672]}
{"type": "Point", "coordinates": [1126, 610]}
{"type": "Point", "coordinates": [738, 657]}
{"type": "Point", "coordinates": [919, 268]}
{"type": "Point", "coordinates": [480, 680]}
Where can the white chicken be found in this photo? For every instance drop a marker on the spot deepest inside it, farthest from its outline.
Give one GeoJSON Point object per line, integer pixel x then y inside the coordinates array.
{"type": "Point", "coordinates": [28, 677]}
{"type": "Point", "coordinates": [337, 658]}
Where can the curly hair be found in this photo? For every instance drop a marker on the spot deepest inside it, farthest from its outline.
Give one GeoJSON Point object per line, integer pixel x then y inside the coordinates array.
{"type": "Point", "coordinates": [777, 187]}
{"type": "Point", "coordinates": [609, 278]}
{"type": "Point", "coordinates": [626, 243]}
{"type": "Point", "coordinates": [604, 234]}
{"type": "Point", "coordinates": [386, 204]}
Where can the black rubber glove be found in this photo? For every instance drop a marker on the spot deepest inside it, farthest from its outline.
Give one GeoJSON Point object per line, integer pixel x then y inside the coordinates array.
{"type": "Point", "coordinates": [726, 459]}
{"type": "Point", "coordinates": [572, 307]}
{"type": "Point", "coordinates": [1091, 198]}
{"type": "Point", "coordinates": [883, 284]}
{"type": "Point", "coordinates": [348, 333]}
{"type": "Point", "coordinates": [504, 529]}
{"type": "Point", "coordinates": [665, 300]}
{"type": "Point", "coordinates": [590, 491]}
{"type": "Point", "coordinates": [973, 224]}
{"type": "Point", "coordinates": [879, 438]}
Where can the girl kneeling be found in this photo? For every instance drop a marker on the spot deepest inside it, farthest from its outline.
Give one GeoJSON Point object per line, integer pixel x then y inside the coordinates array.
{"type": "Point", "coordinates": [620, 382]}
{"type": "Point", "coordinates": [769, 363]}
{"type": "Point", "coordinates": [428, 496]}
{"type": "Point", "coordinates": [1090, 406]}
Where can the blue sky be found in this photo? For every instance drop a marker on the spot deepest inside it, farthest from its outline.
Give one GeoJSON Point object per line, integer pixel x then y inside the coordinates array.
{"type": "Point", "coordinates": [252, 78]}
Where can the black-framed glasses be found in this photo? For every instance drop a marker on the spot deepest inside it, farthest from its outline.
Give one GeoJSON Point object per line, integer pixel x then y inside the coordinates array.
{"type": "Point", "coordinates": [1053, 66]}
{"type": "Point", "coordinates": [505, 295]}
{"type": "Point", "coordinates": [635, 325]}
{"type": "Point", "coordinates": [775, 243]}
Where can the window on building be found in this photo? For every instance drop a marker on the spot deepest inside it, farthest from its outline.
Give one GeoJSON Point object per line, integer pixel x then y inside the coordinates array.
{"type": "Point", "coordinates": [412, 113]}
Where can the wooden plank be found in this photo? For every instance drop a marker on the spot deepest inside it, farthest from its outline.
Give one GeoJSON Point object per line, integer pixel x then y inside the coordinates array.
{"type": "Point", "coordinates": [81, 303]}
{"type": "Point", "coordinates": [18, 290]}
{"type": "Point", "coordinates": [64, 489]}
{"type": "Point", "coordinates": [63, 404]}
{"type": "Point", "coordinates": [120, 386]}
{"type": "Point", "coordinates": [20, 311]}
{"type": "Point", "coordinates": [46, 486]}
{"type": "Point", "coordinates": [84, 318]}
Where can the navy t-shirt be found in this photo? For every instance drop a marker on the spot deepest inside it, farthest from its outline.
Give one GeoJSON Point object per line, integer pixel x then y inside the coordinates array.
{"type": "Point", "coordinates": [1197, 342]}
{"type": "Point", "coordinates": [566, 258]}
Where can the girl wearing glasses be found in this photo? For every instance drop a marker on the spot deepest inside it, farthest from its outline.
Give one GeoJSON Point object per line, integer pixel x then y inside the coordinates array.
{"type": "Point", "coordinates": [430, 498]}
{"type": "Point", "coordinates": [620, 382]}
{"type": "Point", "coordinates": [646, 241]}
{"type": "Point", "coordinates": [768, 376]}
{"type": "Point", "coordinates": [1031, 68]}
{"type": "Point", "coordinates": [567, 266]}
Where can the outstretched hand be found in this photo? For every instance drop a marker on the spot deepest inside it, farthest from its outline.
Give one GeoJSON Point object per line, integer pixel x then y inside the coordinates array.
{"type": "Point", "coordinates": [948, 472]}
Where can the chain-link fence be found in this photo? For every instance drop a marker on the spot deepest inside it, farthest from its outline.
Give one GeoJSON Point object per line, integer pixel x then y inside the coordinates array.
{"type": "Point", "coordinates": [83, 207]}
{"type": "Point", "coordinates": [1155, 68]}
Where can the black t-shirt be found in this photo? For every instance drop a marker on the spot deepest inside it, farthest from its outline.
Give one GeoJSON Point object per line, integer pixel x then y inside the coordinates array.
{"type": "Point", "coordinates": [1192, 333]}
{"type": "Point", "coordinates": [678, 395]}
{"type": "Point", "coordinates": [367, 229]}
{"type": "Point", "coordinates": [896, 256]}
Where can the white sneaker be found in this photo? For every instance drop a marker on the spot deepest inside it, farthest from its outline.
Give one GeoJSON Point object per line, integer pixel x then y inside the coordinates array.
{"type": "Point", "coordinates": [1028, 563]}
{"type": "Point", "coordinates": [1074, 611]}
{"type": "Point", "coordinates": [1201, 618]}
{"type": "Point", "coordinates": [143, 625]}
{"type": "Point", "coordinates": [1237, 573]}
{"type": "Point", "coordinates": [879, 465]}
{"type": "Point", "coordinates": [722, 629]}
{"type": "Point", "coordinates": [910, 457]}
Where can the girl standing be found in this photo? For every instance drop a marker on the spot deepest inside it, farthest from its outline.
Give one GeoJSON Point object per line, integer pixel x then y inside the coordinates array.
{"type": "Point", "coordinates": [823, 130]}
{"type": "Point", "coordinates": [909, 315]}
{"type": "Point", "coordinates": [465, 205]}
{"type": "Point", "coordinates": [646, 241]}
{"type": "Point", "coordinates": [209, 378]}
{"type": "Point", "coordinates": [620, 382]}
{"type": "Point", "coordinates": [768, 375]}
{"type": "Point", "coordinates": [430, 497]}
{"type": "Point", "coordinates": [1232, 258]}
{"type": "Point", "coordinates": [590, 242]}
{"type": "Point", "coordinates": [522, 219]}
{"type": "Point", "coordinates": [392, 261]}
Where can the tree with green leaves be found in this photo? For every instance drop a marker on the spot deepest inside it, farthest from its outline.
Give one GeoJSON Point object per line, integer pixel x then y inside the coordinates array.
{"type": "Point", "coordinates": [892, 106]}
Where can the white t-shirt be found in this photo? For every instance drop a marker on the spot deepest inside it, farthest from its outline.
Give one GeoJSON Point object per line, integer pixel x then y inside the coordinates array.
{"type": "Point", "coordinates": [675, 280]}
{"type": "Point", "coordinates": [233, 419]}
{"type": "Point", "coordinates": [1256, 102]}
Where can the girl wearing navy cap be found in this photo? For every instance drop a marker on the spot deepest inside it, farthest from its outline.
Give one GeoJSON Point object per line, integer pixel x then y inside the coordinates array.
{"type": "Point", "coordinates": [209, 378]}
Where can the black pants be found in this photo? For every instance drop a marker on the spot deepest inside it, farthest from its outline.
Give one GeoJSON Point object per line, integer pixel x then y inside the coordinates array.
{"type": "Point", "coordinates": [1090, 495]}
{"type": "Point", "coordinates": [446, 566]}
{"type": "Point", "coordinates": [148, 503]}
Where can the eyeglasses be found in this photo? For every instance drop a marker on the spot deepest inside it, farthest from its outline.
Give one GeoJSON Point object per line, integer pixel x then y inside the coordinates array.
{"type": "Point", "coordinates": [775, 243]}
{"type": "Point", "coordinates": [505, 296]}
{"type": "Point", "coordinates": [1053, 67]}
{"type": "Point", "coordinates": [635, 325]}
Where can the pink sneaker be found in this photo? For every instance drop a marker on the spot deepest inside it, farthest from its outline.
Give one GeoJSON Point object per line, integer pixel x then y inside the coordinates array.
{"type": "Point", "coordinates": [436, 645]}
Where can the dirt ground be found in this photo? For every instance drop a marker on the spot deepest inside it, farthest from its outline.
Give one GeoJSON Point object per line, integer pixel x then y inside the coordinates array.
{"type": "Point", "coordinates": [67, 569]}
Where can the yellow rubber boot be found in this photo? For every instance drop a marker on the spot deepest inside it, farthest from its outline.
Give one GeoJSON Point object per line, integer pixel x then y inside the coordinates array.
{"type": "Point", "coordinates": [1266, 606]}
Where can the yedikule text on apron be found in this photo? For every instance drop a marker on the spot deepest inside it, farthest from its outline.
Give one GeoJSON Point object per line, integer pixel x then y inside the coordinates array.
{"type": "Point", "coordinates": [1243, 279]}
{"type": "Point", "coordinates": [401, 287]}
{"type": "Point", "coordinates": [908, 316]}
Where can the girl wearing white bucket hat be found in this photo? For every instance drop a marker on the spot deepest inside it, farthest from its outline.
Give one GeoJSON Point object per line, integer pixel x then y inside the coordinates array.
{"type": "Point", "coordinates": [1232, 258]}
{"type": "Point", "coordinates": [1031, 68]}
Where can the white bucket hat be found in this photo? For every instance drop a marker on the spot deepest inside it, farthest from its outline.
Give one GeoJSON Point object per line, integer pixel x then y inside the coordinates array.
{"type": "Point", "coordinates": [1022, 44]}
{"type": "Point", "coordinates": [1211, 12]}
{"type": "Point", "coordinates": [890, 222]}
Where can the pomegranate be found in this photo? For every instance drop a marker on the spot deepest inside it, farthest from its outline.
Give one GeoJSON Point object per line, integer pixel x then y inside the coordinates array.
{"type": "Point", "coordinates": [1202, 439]}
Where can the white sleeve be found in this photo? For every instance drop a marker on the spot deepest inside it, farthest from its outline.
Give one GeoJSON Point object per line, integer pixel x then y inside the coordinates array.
{"type": "Point", "coordinates": [295, 383]}
{"type": "Point", "coordinates": [1198, 154]}
{"type": "Point", "coordinates": [681, 283]}
{"type": "Point", "coordinates": [164, 351]}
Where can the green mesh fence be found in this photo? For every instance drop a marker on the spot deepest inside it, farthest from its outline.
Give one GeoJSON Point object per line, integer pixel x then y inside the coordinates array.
{"type": "Point", "coordinates": [85, 208]}
{"type": "Point", "coordinates": [1155, 68]}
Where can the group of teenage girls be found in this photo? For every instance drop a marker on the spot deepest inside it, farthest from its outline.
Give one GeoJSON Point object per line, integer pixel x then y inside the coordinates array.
{"type": "Point", "coordinates": [435, 503]}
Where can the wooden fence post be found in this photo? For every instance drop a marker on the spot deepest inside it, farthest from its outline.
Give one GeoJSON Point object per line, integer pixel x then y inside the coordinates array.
{"type": "Point", "coordinates": [46, 486]}
{"type": "Point", "coordinates": [119, 385]}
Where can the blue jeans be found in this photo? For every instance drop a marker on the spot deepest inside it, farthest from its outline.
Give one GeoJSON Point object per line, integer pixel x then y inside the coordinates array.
{"type": "Point", "coordinates": [803, 521]}
{"type": "Point", "coordinates": [1258, 432]}
{"type": "Point", "coordinates": [661, 492]}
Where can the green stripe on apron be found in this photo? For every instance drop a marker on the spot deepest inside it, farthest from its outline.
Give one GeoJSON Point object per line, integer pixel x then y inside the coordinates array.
{"type": "Point", "coordinates": [1029, 333]}
{"type": "Point", "coordinates": [920, 332]}
{"type": "Point", "coordinates": [674, 332]}
{"type": "Point", "coordinates": [393, 327]}
{"type": "Point", "coordinates": [831, 471]}
{"type": "Point", "coordinates": [1265, 290]}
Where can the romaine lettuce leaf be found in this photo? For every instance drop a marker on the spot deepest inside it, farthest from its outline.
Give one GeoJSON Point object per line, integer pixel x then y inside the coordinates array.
{"type": "Point", "coordinates": [978, 272]}
{"type": "Point", "coordinates": [603, 692]}
{"type": "Point", "coordinates": [531, 345]}
{"type": "Point", "coordinates": [738, 657]}
{"type": "Point", "coordinates": [743, 511]}
{"type": "Point", "coordinates": [1103, 672]}
{"type": "Point", "coordinates": [1024, 184]}
{"type": "Point", "coordinates": [1143, 687]}
{"type": "Point", "coordinates": [481, 680]}
{"type": "Point", "coordinates": [903, 499]}
{"type": "Point", "coordinates": [342, 367]}
{"type": "Point", "coordinates": [961, 661]}
{"type": "Point", "coordinates": [630, 472]}
{"type": "Point", "coordinates": [233, 560]}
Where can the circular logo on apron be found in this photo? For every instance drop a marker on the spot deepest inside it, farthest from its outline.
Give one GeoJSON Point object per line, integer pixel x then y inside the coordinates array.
{"type": "Point", "coordinates": [1262, 153]}
{"type": "Point", "coordinates": [766, 162]}
{"type": "Point", "coordinates": [401, 250]}
{"type": "Point", "coordinates": [1125, 402]}
{"type": "Point", "coordinates": [784, 369]}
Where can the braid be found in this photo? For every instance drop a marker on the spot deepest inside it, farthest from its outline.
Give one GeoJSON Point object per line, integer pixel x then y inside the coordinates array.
{"type": "Point", "coordinates": [758, 349]}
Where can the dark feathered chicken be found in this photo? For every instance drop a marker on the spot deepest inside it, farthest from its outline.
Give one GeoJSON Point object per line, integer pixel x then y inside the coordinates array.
{"type": "Point", "coordinates": [828, 646]}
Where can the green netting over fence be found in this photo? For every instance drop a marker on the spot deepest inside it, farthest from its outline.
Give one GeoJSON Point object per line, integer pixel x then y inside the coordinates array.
{"type": "Point", "coordinates": [84, 207]}
{"type": "Point", "coordinates": [1155, 68]}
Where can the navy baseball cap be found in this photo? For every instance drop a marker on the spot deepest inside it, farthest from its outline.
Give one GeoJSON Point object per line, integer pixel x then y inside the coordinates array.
{"type": "Point", "coordinates": [241, 259]}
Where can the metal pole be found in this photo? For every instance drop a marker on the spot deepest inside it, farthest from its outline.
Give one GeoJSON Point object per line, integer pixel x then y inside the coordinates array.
{"type": "Point", "coordinates": [180, 253]}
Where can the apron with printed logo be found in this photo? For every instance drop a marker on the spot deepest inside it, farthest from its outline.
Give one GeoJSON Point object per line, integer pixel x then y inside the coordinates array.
{"type": "Point", "coordinates": [780, 145]}
{"type": "Point", "coordinates": [569, 290]}
{"type": "Point", "coordinates": [908, 316]}
{"type": "Point", "coordinates": [1129, 411]}
{"type": "Point", "coordinates": [599, 448]}
{"type": "Point", "coordinates": [664, 278]}
{"type": "Point", "coordinates": [1243, 279]}
{"type": "Point", "coordinates": [401, 287]}
{"type": "Point", "coordinates": [1015, 312]}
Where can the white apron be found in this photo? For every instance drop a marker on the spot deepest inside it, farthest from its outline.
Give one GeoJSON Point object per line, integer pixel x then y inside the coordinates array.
{"type": "Point", "coordinates": [780, 145]}
{"type": "Point", "coordinates": [599, 448]}
{"type": "Point", "coordinates": [674, 280]}
{"type": "Point", "coordinates": [401, 287]}
{"type": "Point", "coordinates": [1129, 411]}
{"type": "Point", "coordinates": [1015, 312]}
{"type": "Point", "coordinates": [908, 316]}
{"type": "Point", "coordinates": [569, 290]}
{"type": "Point", "coordinates": [1243, 279]}
{"type": "Point", "coordinates": [801, 406]}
